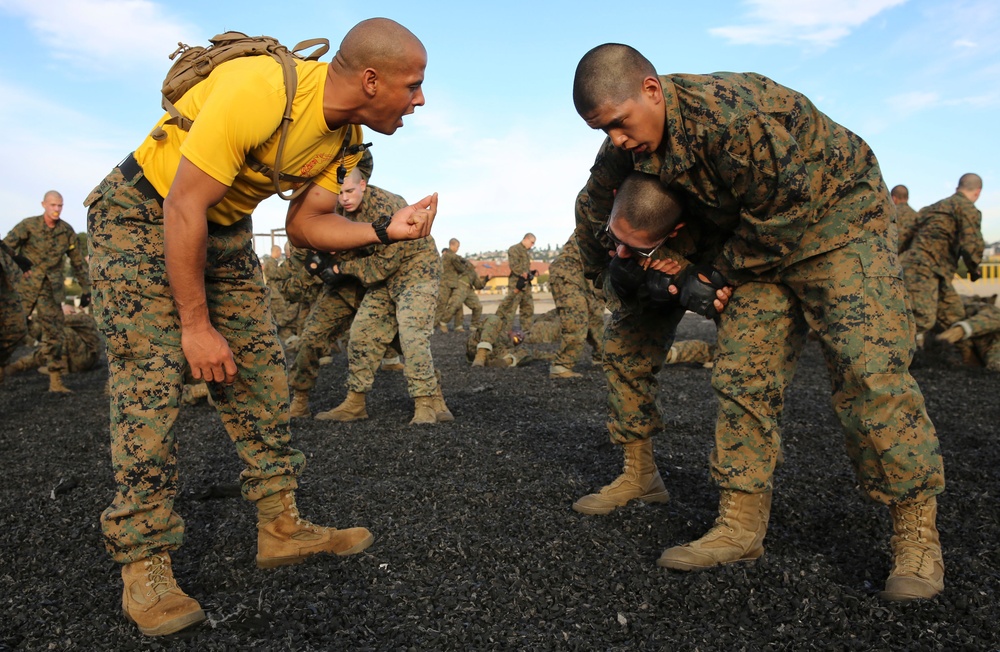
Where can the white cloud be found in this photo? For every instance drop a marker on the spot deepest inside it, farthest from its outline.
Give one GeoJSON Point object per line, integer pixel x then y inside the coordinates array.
{"type": "Point", "coordinates": [103, 34]}
{"type": "Point", "coordinates": [965, 43]}
{"type": "Point", "coordinates": [818, 23]}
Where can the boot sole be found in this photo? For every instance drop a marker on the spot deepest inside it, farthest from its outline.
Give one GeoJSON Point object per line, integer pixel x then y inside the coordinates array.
{"type": "Point", "coordinates": [275, 562]}
{"type": "Point", "coordinates": [657, 498]}
{"type": "Point", "coordinates": [676, 564]}
{"type": "Point", "coordinates": [171, 626]}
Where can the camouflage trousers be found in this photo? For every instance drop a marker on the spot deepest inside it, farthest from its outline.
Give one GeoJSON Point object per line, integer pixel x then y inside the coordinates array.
{"type": "Point", "coordinates": [135, 311]}
{"type": "Point", "coordinates": [856, 304]}
{"type": "Point", "coordinates": [329, 319]}
{"type": "Point", "coordinates": [691, 352]}
{"type": "Point", "coordinates": [399, 305]}
{"type": "Point", "coordinates": [579, 318]}
{"type": "Point", "coordinates": [13, 325]}
{"type": "Point", "coordinates": [932, 297]}
{"type": "Point", "coordinates": [441, 314]}
{"type": "Point", "coordinates": [464, 295]}
{"type": "Point", "coordinates": [49, 316]}
{"type": "Point", "coordinates": [635, 346]}
{"type": "Point", "coordinates": [522, 301]}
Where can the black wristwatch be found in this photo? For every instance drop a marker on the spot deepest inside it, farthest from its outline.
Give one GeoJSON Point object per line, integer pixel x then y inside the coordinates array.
{"type": "Point", "coordinates": [381, 226]}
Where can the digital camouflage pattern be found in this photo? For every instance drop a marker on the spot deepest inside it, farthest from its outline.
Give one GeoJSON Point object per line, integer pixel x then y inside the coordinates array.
{"type": "Point", "coordinates": [691, 352]}
{"type": "Point", "coordinates": [135, 312]}
{"type": "Point", "coordinates": [329, 319]}
{"type": "Point", "coordinates": [906, 226]}
{"type": "Point", "coordinates": [810, 240]}
{"type": "Point", "coordinates": [13, 324]}
{"type": "Point", "coordinates": [494, 335]}
{"type": "Point", "coordinates": [42, 287]}
{"type": "Point", "coordinates": [982, 328]}
{"type": "Point", "coordinates": [575, 302]}
{"type": "Point", "coordinates": [464, 294]}
{"type": "Point", "coordinates": [520, 264]}
{"type": "Point", "coordinates": [401, 289]}
{"type": "Point", "coordinates": [82, 339]}
{"type": "Point", "coordinates": [452, 266]}
{"type": "Point", "coordinates": [946, 229]}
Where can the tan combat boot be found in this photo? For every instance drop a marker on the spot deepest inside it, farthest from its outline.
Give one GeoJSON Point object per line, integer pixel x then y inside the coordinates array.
{"type": "Point", "coordinates": [917, 568]}
{"type": "Point", "coordinates": [424, 410]}
{"type": "Point", "coordinates": [300, 404]}
{"type": "Point", "coordinates": [460, 328]}
{"type": "Point", "coordinates": [18, 366]}
{"type": "Point", "coordinates": [283, 538]}
{"type": "Point", "coordinates": [352, 409]}
{"type": "Point", "coordinates": [443, 327]}
{"type": "Point", "coordinates": [559, 371]}
{"type": "Point", "coordinates": [441, 410]}
{"type": "Point", "coordinates": [56, 383]}
{"type": "Point", "coordinates": [639, 479]}
{"type": "Point", "coordinates": [481, 354]}
{"type": "Point", "coordinates": [738, 534]}
{"type": "Point", "coordinates": [152, 600]}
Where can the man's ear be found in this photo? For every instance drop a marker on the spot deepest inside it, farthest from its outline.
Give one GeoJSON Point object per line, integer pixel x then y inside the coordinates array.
{"type": "Point", "coordinates": [369, 82]}
{"type": "Point", "coordinates": [677, 229]}
{"type": "Point", "coordinates": [651, 88]}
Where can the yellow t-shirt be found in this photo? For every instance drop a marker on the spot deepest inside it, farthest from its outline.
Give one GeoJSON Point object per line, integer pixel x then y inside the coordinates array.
{"type": "Point", "coordinates": [237, 110]}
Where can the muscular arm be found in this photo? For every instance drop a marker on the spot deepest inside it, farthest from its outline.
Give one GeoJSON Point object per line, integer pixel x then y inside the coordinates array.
{"type": "Point", "coordinates": [312, 223]}
{"type": "Point", "coordinates": [185, 238]}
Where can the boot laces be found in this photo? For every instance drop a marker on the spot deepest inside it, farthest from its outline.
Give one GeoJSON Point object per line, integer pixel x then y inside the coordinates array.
{"type": "Point", "coordinates": [161, 580]}
{"type": "Point", "coordinates": [293, 510]}
{"type": "Point", "coordinates": [911, 557]}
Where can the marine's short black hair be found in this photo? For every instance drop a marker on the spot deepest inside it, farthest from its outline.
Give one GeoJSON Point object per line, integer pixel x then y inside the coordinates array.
{"type": "Point", "coordinates": [609, 73]}
{"type": "Point", "coordinates": [646, 205]}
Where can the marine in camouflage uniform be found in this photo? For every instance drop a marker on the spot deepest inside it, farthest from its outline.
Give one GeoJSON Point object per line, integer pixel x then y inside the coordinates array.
{"type": "Point", "coordinates": [812, 244]}
{"type": "Point", "coordinates": [574, 298]}
{"type": "Point", "coordinates": [948, 230]}
{"type": "Point", "coordinates": [493, 344]}
{"type": "Point", "coordinates": [13, 323]}
{"type": "Point", "coordinates": [520, 268]}
{"type": "Point", "coordinates": [981, 328]}
{"type": "Point", "coordinates": [47, 241]}
{"type": "Point", "coordinates": [464, 294]}
{"type": "Point", "coordinates": [401, 286]}
{"type": "Point", "coordinates": [452, 267]}
{"type": "Point", "coordinates": [82, 340]}
{"type": "Point", "coordinates": [906, 217]}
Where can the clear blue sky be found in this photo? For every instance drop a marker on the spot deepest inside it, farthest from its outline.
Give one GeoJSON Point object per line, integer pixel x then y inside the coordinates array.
{"type": "Point", "coordinates": [498, 137]}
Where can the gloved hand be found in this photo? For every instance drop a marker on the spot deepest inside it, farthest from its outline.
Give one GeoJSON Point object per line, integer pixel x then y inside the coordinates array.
{"type": "Point", "coordinates": [952, 335]}
{"type": "Point", "coordinates": [85, 299]}
{"type": "Point", "coordinates": [974, 273]}
{"type": "Point", "coordinates": [23, 262]}
{"type": "Point", "coordinates": [333, 276]}
{"type": "Point", "coordinates": [658, 284]}
{"type": "Point", "coordinates": [626, 276]}
{"type": "Point", "coordinates": [317, 261]}
{"type": "Point", "coordinates": [698, 286]}
{"type": "Point", "coordinates": [521, 283]}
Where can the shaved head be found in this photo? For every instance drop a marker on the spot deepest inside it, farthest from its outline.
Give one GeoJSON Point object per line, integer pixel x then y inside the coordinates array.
{"type": "Point", "coordinates": [900, 192]}
{"type": "Point", "coordinates": [52, 194]}
{"type": "Point", "coordinates": [970, 181]}
{"type": "Point", "coordinates": [377, 43]}
{"type": "Point", "coordinates": [610, 73]}
{"type": "Point", "coordinates": [645, 205]}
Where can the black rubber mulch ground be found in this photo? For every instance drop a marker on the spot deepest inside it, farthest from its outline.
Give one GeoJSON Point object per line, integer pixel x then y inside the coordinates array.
{"type": "Point", "coordinates": [476, 545]}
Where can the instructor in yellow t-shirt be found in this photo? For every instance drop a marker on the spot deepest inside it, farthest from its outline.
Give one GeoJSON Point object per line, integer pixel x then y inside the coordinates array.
{"type": "Point", "coordinates": [178, 289]}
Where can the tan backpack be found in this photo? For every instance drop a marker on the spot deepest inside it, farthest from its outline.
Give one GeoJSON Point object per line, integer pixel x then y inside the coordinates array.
{"type": "Point", "coordinates": [193, 64]}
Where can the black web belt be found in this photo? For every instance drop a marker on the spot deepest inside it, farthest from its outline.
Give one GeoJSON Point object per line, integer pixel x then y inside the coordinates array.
{"type": "Point", "coordinates": [130, 169]}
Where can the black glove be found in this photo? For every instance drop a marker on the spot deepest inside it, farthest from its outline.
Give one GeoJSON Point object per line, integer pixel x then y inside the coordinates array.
{"type": "Point", "coordinates": [85, 299]}
{"type": "Point", "coordinates": [658, 284]}
{"type": "Point", "coordinates": [317, 261]}
{"type": "Point", "coordinates": [974, 273]}
{"type": "Point", "coordinates": [333, 278]}
{"type": "Point", "coordinates": [626, 276]}
{"type": "Point", "coordinates": [23, 262]}
{"type": "Point", "coordinates": [521, 283]}
{"type": "Point", "coordinates": [698, 295]}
